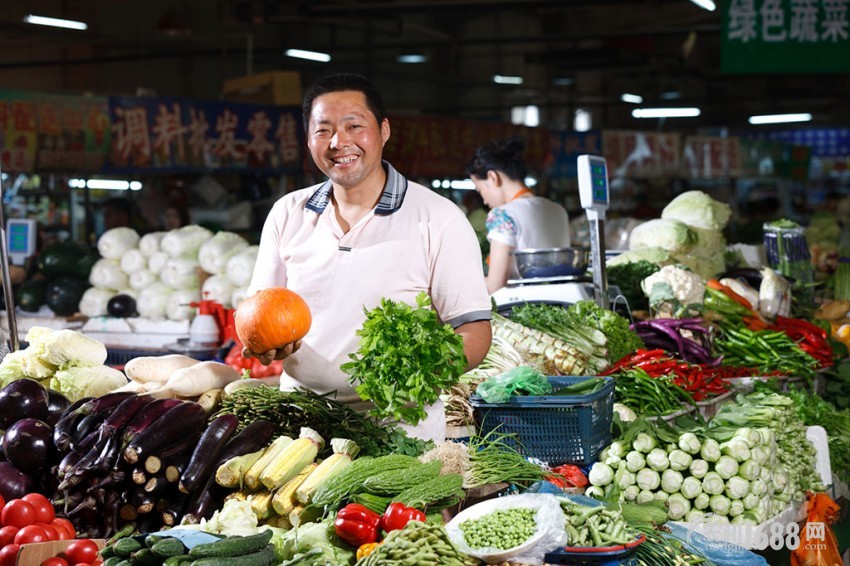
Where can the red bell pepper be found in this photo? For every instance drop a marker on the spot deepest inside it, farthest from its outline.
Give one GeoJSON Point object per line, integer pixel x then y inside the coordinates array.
{"type": "Point", "coordinates": [357, 525]}
{"type": "Point", "coordinates": [571, 474]}
{"type": "Point", "coordinates": [398, 515]}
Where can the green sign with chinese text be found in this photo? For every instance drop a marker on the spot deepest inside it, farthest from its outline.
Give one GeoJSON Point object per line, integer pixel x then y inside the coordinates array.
{"type": "Point", "coordinates": [785, 36]}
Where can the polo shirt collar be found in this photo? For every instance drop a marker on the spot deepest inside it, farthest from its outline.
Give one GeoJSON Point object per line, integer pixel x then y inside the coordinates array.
{"type": "Point", "coordinates": [391, 199]}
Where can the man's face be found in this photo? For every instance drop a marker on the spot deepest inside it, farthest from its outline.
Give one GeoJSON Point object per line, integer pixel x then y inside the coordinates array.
{"type": "Point", "coordinates": [345, 140]}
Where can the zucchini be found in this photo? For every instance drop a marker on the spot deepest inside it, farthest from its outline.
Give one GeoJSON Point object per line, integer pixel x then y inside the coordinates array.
{"type": "Point", "coordinates": [264, 557]}
{"type": "Point", "coordinates": [168, 547]}
{"type": "Point", "coordinates": [232, 546]}
{"type": "Point", "coordinates": [126, 546]}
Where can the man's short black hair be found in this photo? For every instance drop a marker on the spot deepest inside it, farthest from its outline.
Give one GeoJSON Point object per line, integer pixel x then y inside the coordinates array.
{"type": "Point", "coordinates": [342, 82]}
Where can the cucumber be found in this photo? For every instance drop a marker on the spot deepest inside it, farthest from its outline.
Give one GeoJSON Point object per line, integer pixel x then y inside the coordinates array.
{"type": "Point", "coordinates": [264, 557]}
{"type": "Point", "coordinates": [126, 546]}
{"type": "Point", "coordinates": [146, 557]}
{"type": "Point", "coordinates": [168, 547]}
{"type": "Point", "coordinates": [107, 552]}
{"type": "Point", "coordinates": [232, 546]}
{"type": "Point", "coordinates": [178, 560]}
{"type": "Point", "coordinates": [112, 561]}
{"type": "Point", "coordinates": [151, 540]}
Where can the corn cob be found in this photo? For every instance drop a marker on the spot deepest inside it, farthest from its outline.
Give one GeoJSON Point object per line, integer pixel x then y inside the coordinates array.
{"type": "Point", "coordinates": [279, 522]}
{"type": "Point", "coordinates": [351, 479]}
{"type": "Point", "coordinates": [393, 482]}
{"type": "Point", "coordinates": [284, 498]}
{"type": "Point", "coordinates": [238, 496]}
{"type": "Point", "coordinates": [231, 472]}
{"type": "Point", "coordinates": [292, 459]}
{"type": "Point", "coordinates": [261, 504]}
{"type": "Point", "coordinates": [344, 452]}
{"type": "Point", "coordinates": [251, 479]}
{"type": "Point", "coordinates": [294, 516]}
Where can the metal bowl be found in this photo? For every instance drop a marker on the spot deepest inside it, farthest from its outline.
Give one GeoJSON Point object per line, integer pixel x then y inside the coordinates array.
{"type": "Point", "coordinates": [551, 262]}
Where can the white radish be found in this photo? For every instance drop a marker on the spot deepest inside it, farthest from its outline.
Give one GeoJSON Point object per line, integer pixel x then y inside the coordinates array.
{"type": "Point", "coordinates": [157, 369]}
{"type": "Point", "coordinates": [195, 380]}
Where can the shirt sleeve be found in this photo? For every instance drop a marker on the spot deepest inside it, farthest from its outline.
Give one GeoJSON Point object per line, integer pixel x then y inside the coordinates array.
{"type": "Point", "coordinates": [458, 291]}
{"type": "Point", "coordinates": [270, 270]}
{"type": "Point", "coordinates": [502, 227]}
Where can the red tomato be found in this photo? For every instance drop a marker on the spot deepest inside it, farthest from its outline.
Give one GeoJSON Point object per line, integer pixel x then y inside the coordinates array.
{"type": "Point", "coordinates": [7, 535]}
{"type": "Point", "coordinates": [55, 561]}
{"type": "Point", "coordinates": [66, 526]}
{"type": "Point", "coordinates": [31, 533]}
{"type": "Point", "coordinates": [43, 507]}
{"type": "Point", "coordinates": [9, 554]}
{"type": "Point", "coordinates": [52, 532]}
{"type": "Point", "coordinates": [81, 551]}
{"type": "Point", "coordinates": [18, 513]}
{"type": "Point", "coordinates": [2, 502]}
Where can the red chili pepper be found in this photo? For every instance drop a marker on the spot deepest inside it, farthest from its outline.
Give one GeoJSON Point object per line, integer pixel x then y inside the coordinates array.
{"type": "Point", "coordinates": [398, 515]}
{"type": "Point", "coordinates": [357, 525]}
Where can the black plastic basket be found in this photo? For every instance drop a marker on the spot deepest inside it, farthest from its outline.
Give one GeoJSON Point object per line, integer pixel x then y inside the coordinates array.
{"type": "Point", "coordinates": [118, 357]}
{"type": "Point", "coordinates": [556, 429]}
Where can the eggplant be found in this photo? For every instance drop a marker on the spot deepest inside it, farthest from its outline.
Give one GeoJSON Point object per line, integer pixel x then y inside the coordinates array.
{"type": "Point", "coordinates": [56, 405]}
{"type": "Point", "coordinates": [204, 501]}
{"type": "Point", "coordinates": [121, 306]}
{"type": "Point", "coordinates": [87, 426]}
{"type": "Point", "coordinates": [146, 416]}
{"type": "Point", "coordinates": [122, 414]}
{"type": "Point", "coordinates": [27, 444]}
{"type": "Point", "coordinates": [253, 437]}
{"type": "Point", "coordinates": [179, 451]}
{"type": "Point", "coordinates": [206, 453]}
{"type": "Point", "coordinates": [67, 423]}
{"type": "Point", "coordinates": [22, 399]}
{"type": "Point", "coordinates": [184, 419]}
{"type": "Point", "coordinates": [14, 483]}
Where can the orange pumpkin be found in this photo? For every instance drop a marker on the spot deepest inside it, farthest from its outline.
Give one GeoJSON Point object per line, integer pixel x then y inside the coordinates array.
{"type": "Point", "coordinates": [271, 319]}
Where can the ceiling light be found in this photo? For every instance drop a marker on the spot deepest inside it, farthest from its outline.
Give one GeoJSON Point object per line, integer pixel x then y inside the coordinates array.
{"type": "Point", "coordinates": [309, 55]}
{"type": "Point", "coordinates": [665, 112]}
{"type": "Point", "coordinates": [54, 22]}
{"type": "Point", "coordinates": [507, 80]}
{"type": "Point", "coordinates": [631, 98]}
{"type": "Point", "coordinates": [780, 118]}
{"type": "Point", "coordinates": [105, 184]}
{"type": "Point", "coordinates": [671, 95]}
{"type": "Point", "coordinates": [563, 81]}
{"type": "Point", "coordinates": [463, 185]}
{"type": "Point", "coordinates": [411, 58]}
{"type": "Point", "coordinates": [705, 4]}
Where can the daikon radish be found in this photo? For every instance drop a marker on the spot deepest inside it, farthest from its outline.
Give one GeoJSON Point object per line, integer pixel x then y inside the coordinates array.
{"type": "Point", "coordinates": [157, 369]}
{"type": "Point", "coordinates": [197, 379]}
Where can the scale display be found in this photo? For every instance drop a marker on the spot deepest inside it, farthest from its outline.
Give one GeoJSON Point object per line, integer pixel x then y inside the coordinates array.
{"type": "Point", "coordinates": [593, 182]}
{"type": "Point", "coordinates": [20, 235]}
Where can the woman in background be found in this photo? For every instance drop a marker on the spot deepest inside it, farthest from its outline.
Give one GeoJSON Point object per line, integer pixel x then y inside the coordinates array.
{"type": "Point", "coordinates": [518, 219]}
{"type": "Point", "coordinates": [175, 217]}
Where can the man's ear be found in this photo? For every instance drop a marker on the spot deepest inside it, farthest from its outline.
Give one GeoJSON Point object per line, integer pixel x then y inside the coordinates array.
{"type": "Point", "coordinates": [385, 130]}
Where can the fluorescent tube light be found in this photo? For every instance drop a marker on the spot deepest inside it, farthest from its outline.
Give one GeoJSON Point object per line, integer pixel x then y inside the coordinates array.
{"type": "Point", "coordinates": [665, 112]}
{"type": "Point", "coordinates": [309, 55]}
{"type": "Point", "coordinates": [563, 81]}
{"type": "Point", "coordinates": [105, 184]}
{"type": "Point", "coordinates": [780, 118]}
{"type": "Point", "coordinates": [705, 4]}
{"type": "Point", "coordinates": [411, 58]}
{"type": "Point", "coordinates": [54, 22]}
{"type": "Point", "coordinates": [507, 80]}
{"type": "Point", "coordinates": [463, 185]}
{"type": "Point", "coordinates": [631, 98]}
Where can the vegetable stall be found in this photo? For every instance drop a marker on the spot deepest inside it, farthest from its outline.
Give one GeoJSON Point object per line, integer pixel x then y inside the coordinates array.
{"type": "Point", "coordinates": [715, 412]}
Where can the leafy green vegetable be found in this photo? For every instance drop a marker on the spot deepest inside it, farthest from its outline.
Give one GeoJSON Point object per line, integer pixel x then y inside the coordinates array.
{"type": "Point", "coordinates": [621, 339]}
{"type": "Point", "coordinates": [312, 543]}
{"type": "Point", "coordinates": [627, 276]}
{"type": "Point", "coordinates": [405, 358]}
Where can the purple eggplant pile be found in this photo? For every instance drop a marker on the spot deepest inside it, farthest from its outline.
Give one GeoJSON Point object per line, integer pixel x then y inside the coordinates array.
{"type": "Point", "coordinates": [27, 411]}
{"type": "Point", "coordinates": [134, 463]}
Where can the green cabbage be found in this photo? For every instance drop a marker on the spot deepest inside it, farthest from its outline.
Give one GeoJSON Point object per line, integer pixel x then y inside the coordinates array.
{"type": "Point", "coordinates": [655, 255]}
{"type": "Point", "coordinates": [78, 382]}
{"type": "Point", "coordinates": [697, 209]}
{"type": "Point", "coordinates": [671, 235]}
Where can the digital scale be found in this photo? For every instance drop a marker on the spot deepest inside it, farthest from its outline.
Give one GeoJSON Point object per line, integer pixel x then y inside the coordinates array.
{"type": "Point", "coordinates": [20, 235]}
{"type": "Point", "coordinates": [595, 197]}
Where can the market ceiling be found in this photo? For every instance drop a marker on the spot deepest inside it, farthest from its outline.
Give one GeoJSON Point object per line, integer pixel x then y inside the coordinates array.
{"type": "Point", "coordinates": [570, 53]}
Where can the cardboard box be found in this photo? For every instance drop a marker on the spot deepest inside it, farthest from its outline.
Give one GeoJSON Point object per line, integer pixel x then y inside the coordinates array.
{"type": "Point", "coordinates": [34, 554]}
{"type": "Point", "coordinates": [275, 87]}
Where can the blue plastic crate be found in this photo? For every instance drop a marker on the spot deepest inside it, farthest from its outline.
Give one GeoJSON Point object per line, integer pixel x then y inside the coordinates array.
{"type": "Point", "coordinates": [554, 429]}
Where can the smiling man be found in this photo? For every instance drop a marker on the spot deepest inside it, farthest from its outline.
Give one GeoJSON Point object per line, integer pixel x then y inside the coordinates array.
{"type": "Point", "coordinates": [364, 234]}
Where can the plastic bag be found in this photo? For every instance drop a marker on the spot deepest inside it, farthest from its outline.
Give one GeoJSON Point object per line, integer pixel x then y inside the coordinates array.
{"type": "Point", "coordinates": [522, 380]}
{"type": "Point", "coordinates": [237, 361]}
{"type": "Point", "coordinates": [818, 545]}
{"type": "Point", "coordinates": [550, 528]}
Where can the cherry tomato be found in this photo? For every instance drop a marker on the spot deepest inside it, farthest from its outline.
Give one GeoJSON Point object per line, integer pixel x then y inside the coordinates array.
{"type": "Point", "coordinates": [7, 535]}
{"type": "Point", "coordinates": [66, 525]}
{"type": "Point", "coordinates": [2, 502]}
{"type": "Point", "coordinates": [81, 551]}
{"type": "Point", "coordinates": [51, 531]}
{"type": "Point", "coordinates": [18, 513]}
{"type": "Point", "coordinates": [31, 533]}
{"type": "Point", "coordinates": [9, 554]}
{"type": "Point", "coordinates": [43, 507]}
{"type": "Point", "coordinates": [55, 561]}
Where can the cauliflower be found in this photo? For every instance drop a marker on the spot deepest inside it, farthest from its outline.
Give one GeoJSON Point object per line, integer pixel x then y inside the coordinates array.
{"type": "Point", "coordinates": [674, 290]}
